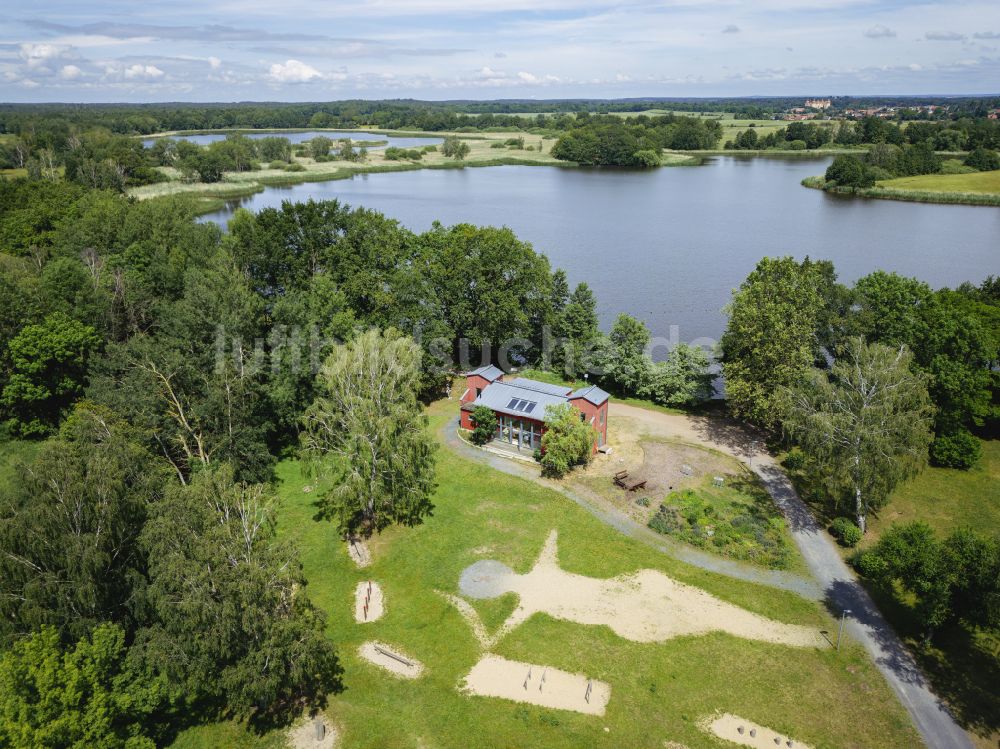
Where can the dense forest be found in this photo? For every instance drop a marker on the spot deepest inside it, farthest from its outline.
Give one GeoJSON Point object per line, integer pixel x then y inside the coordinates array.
{"type": "Point", "coordinates": [142, 119]}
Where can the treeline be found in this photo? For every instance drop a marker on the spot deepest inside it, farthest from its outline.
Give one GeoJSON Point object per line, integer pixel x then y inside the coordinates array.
{"type": "Point", "coordinates": [885, 161]}
{"type": "Point", "coordinates": [606, 140]}
{"type": "Point", "coordinates": [143, 119]}
{"type": "Point", "coordinates": [948, 339]}
{"type": "Point", "coordinates": [952, 135]}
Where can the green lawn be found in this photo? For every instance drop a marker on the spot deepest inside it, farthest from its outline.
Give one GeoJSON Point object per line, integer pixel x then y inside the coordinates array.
{"type": "Point", "coordinates": [659, 691]}
{"type": "Point", "coordinates": [948, 499]}
{"type": "Point", "coordinates": [975, 182]}
{"type": "Point", "coordinates": [963, 662]}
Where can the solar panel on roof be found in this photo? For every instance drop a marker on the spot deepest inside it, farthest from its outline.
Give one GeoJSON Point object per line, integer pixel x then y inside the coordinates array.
{"type": "Point", "coordinates": [530, 407]}
{"type": "Point", "coordinates": [513, 402]}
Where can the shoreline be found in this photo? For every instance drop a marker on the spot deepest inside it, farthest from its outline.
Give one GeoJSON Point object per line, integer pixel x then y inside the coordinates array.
{"type": "Point", "coordinates": [908, 196]}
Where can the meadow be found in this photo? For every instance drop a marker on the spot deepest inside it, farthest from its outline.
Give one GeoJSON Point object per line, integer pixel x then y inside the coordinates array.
{"type": "Point", "coordinates": [660, 691]}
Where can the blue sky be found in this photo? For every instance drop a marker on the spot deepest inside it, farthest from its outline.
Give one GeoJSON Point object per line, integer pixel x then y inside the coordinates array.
{"type": "Point", "coordinates": [297, 50]}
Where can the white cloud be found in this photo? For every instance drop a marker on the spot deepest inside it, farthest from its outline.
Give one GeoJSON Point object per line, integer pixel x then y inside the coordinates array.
{"type": "Point", "coordinates": [215, 62]}
{"type": "Point", "coordinates": [878, 31]}
{"type": "Point", "coordinates": [293, 71]}
{"type": "Point", "coordinates": [527, 77]}
{"type": "Point", "coordinates": [38, 55]}
{"type": "Point", "coordinates": [143, 72]}
{"type": "Point", "coordinates": [70, 72]}
{"type": "Point", "coordinates": [944, 36]}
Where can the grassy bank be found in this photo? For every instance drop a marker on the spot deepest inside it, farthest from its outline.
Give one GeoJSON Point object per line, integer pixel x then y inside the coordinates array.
{"type": "Point", "coordinates": [659, 690]}
{"type": "Point", "coordinates": [930, 188]}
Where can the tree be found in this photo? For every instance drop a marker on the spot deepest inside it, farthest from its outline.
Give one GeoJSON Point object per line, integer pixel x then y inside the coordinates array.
{"type": "Point", "coordinates": [485, 423]}
{"type": "Point", "coordinates": [368, 429]}
{"type": "Point", "coordinates": [578, 329]}
{"type": "Point", "coordinates": [85, 695]}
{"type": "Point", "coordinates": [865, 425]}
{"type": "Point", "coordinates": [912, 557]}
{"type": "Point", "coordinates": [229, 618]}
{"type": "Point", "coordinates": [849, 171]}
{"type": "Point", "coordinates": [48, 369]}
{"type": "Point", "coordinates": [568, 440]}
{"type": "Point", "coordinates": [771, 336]}
{"type": "Point", "coordinates": [626, 363]}
{"type": "Point", "coordinates": [683, 379]}
{"type": "Point", "coordinates": [454, 147]}
{"type": "Point", "coordinates": [320, 147]}
{"type": "Point", "coordinates": [69, 524]}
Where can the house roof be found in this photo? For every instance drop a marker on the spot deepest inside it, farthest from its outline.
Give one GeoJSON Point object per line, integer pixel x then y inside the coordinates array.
{"type": "Point", "coordinates": [541, 387]}
{"type": "Point", "coordinates": [592, 393]}
{"type": "Point", "coordinates": [514, 399]}
{"type": "Point", "coordinates": [488, 372]}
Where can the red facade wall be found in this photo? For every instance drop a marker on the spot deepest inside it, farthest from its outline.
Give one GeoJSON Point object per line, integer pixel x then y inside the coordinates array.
{"type": "Point", "coordinates": [597, 416]}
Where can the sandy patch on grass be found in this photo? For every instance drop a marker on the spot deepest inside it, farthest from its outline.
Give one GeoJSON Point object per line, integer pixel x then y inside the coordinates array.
{"type": "Point", "coordinates": [747, 733]}
{"type": "Point", "coordinates": [391, 659]}
{"type": "Point", "coordinates": [645, 606]}
{"type": "Point", "coordinates": [369, 602]}
{"type": "Point", "coordinates": [494, 676]}
{"type": "Point", "coordinates": [303, 735]}
{"type": "Point", "coordinates": [359, 552]}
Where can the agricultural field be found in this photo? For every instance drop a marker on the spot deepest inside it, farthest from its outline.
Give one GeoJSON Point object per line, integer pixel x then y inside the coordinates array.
{"type": "Point", "coordinates": [664, 686]}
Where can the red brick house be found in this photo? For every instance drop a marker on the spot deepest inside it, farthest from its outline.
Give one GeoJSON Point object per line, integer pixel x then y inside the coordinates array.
{"type": "Point", "coordinates": [520, 406]}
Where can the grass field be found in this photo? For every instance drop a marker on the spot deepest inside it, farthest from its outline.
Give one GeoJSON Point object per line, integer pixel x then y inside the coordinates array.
{"type": "Point", "coordinates": [974, 182]}
{"type": "Point", "coordinates": [659, 691]}
{"type": "Point", "coordinates": [963, 662]}
{"type": "Point", "coordinates": [883, 190]}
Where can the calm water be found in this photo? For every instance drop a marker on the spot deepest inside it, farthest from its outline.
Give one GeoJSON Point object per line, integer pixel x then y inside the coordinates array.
{"type": "Point", "coordinates": [207, 138]}
{"type": "Point", "coordinates": [668, 245]}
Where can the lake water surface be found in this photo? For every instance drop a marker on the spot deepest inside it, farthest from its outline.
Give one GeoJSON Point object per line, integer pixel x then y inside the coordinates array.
{"type": "Point", "coordinates": [668, 245]}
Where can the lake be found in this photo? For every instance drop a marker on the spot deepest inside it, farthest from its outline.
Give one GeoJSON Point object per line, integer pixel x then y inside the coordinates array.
{"type": "Point", "coordinates": [400, 142]}
{"type": "Point", "coordinates": [668, 245]}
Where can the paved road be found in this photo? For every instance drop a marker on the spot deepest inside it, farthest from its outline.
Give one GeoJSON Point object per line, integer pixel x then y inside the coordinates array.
{"type": "Point", "coordinates": [834, 583]}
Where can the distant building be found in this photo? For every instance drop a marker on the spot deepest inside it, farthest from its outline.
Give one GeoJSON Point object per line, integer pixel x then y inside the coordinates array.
{"type": "Point", "coordinates": [520, 406]}
{"type": "Point", "coordinates": [818, 103]}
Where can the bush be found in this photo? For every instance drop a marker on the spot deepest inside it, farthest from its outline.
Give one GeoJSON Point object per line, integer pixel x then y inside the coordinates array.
{"type": "Point", "coordinates": [497, 144]}
{"type": "Point", "coordinates": [296, 167]}
{"type": "Point", "coordinates": [568, 442]}
{"type": "Point", "coordinates": [647, 158]}
{"type": "Point", "coordinates": [795, 460]}
{"type": "Point", "coordinates": [956, 450]}
{"type": "Point", "coordinates": [983, 160]}
{"type": "Point", "coordinates": [277, 165]}
{"type": "Point", "coordinates": [846, 532]}
{"type": "Point", "coordinates": [484, 425]}
{"type": "Point", "coordinates": [796, 145]}
{"type": "Point", "coordinates": [849, 171]}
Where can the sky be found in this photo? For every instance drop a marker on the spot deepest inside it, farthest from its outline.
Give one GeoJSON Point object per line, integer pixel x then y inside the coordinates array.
{"type": "Point", "coordinates": [303, 50]}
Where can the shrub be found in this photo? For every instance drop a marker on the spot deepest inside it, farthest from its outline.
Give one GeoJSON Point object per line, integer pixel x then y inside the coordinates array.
{"type": "Point", "coordinates": [567, 442]}
{"type": "Point", "coordinates": [430, 149]}
{"type": "Point", "coordinates": [849, 171]}
{"type": "Point", "coordinates": [796, 145]}
{"type": "Point", "coordinates": [983, 160]}
{"type": "Point", "coordinates": [846, 532]}
{"type": "Point", "coordinates": [277, 165]}
{"type": "Point", "coordinates": [642, 501]}
{"type": "Point", "coordinates": [647, 158]}
{"type": "Point", "coordinates": [296, 167]}
{"type": "Point", "coordinates": [497, 144]}
{"type": "Point", "coordinates": [956, 450]}
{"type": "Point", "coordinates": [795, 460]}
{"type": "Point", "coordinates": [485, 425]}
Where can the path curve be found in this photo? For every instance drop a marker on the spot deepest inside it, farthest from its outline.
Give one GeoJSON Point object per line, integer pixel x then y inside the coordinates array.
{"type": "Point", "coordinates": [625, 525]}
{"type": "Point", "coordinates": [841, 589]}
{"type": "Point", "coordinates": [833, 582]}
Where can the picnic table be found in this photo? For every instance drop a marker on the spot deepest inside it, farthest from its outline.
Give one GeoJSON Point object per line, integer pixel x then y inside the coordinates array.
{"type": "Point", "coordinates": [628, 483]}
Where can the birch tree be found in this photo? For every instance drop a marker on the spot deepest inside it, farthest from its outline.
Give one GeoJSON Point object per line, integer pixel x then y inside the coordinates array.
{"type": "Point", "coordinates": [367, 431]}
{"type": "Point", "coordinates": [865, 426]}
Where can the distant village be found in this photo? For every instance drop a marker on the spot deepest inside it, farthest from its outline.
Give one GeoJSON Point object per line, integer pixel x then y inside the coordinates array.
{"type": "Point", "coordinates": [824, 109]}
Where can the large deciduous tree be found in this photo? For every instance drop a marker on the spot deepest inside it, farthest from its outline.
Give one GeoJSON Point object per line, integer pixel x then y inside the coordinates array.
{"type": "Point", "coordinates": [771, 337]}
{"type": "Point", "coordinates": [367, 427]}
{"type": "Point", "coordinates": [864, 425]}
{"type": "Point", "coordinates": [69, 524]}
{"type": "Point", "coordinates": [228, 614]}
{"type": "Point", "coordinates": [568, 440]}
